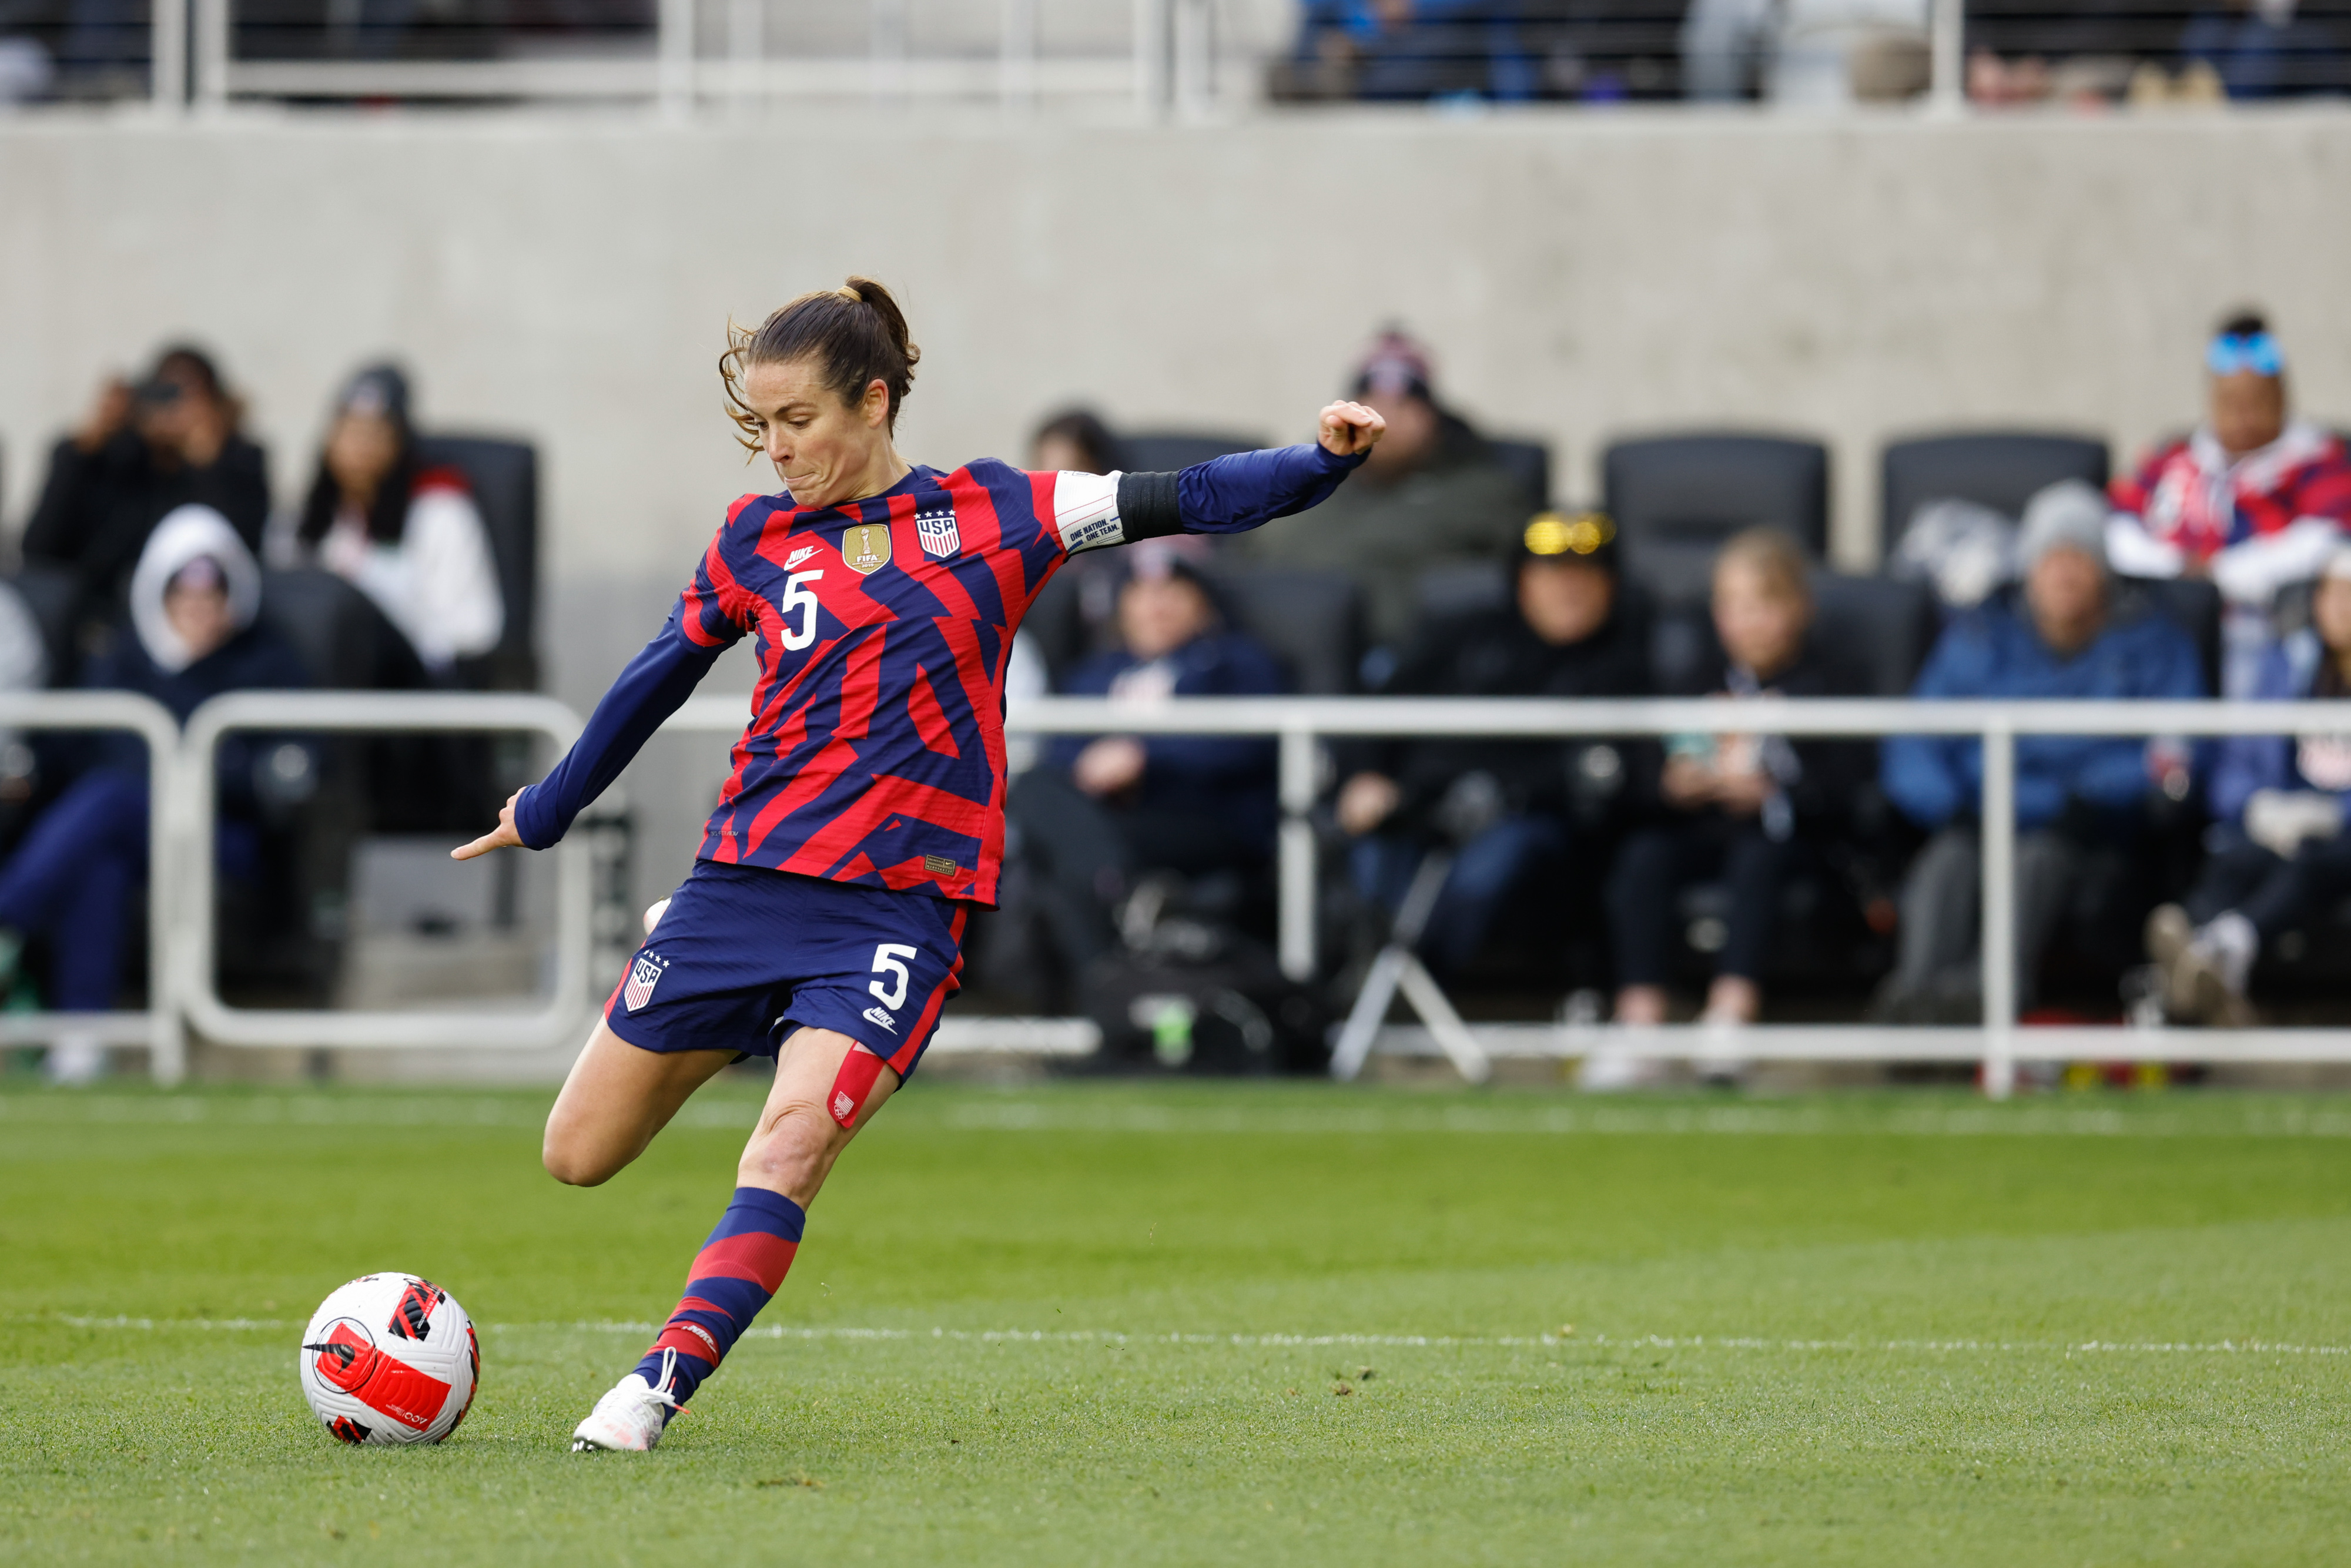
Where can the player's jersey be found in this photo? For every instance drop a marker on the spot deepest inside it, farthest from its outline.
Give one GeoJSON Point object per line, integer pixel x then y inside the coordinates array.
{"type": "Point", "coordinates": [874, 753]}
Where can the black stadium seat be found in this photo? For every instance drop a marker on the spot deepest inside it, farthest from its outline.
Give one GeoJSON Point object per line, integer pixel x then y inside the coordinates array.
{"type": "Point", "coordinates": [1312, 620]}
{"type": "Point", "coordinates": [1529, 463]}
{"type": "Point", "coordinates": [50, 592]}
{"type": "Point", "coordinates": [1997, 468]}
{"type": "Point", "coordinates": [504, 475]}
{"type": "Point", "coordinates": [1887, 626]}
{"type": "Point", "coordinates": [1676, 498]}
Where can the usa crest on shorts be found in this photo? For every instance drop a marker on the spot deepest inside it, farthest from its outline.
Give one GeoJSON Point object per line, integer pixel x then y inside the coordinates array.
{"type": "Point", "coordinates": [643, 975]}
{"type": "Point", "coordinates": [936, 529]}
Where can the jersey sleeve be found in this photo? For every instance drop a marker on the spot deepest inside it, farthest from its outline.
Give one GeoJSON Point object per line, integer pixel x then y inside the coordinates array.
{"type": "Point", "coordinates": [702, 625]}
{"type": "Point", "coordinates": [1226, 495]}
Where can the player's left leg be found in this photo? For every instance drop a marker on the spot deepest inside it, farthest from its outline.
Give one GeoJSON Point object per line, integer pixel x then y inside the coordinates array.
{"type": "Point", "coordinates": [827, 1088]}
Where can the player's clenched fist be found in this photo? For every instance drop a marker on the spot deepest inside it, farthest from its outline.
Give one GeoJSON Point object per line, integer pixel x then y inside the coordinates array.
{"type": "Point", "coordinates": [1350, 427]}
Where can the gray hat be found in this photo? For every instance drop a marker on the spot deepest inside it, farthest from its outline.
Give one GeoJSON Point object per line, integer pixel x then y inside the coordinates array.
{"type": "Point", "coordinates": [2068, 515]}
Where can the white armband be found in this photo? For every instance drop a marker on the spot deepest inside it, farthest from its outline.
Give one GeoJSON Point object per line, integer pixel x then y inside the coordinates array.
{"type": "Point", "coordinates": [1085, 511]}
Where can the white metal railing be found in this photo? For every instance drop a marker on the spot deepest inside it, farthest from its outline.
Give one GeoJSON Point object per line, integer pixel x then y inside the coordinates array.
{"type": "Point", "coordinates": [1298, 724]}
{"type": "Point", "coordinates": [1170, 66]}
{"type": "Point", "coordinates": [182, 807]}
{"type": "Point", "coordinates": [157, 1028]}
{"type": "Point", "coordinates": [551, 1023]}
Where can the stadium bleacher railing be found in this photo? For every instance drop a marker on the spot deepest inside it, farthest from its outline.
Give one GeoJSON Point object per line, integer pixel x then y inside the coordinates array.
{"type": "Point", "coordinates": [157, 1027]}
{"type": "Point", "coordinates": [1171, 64]}
{"type": "Point", "coordinates": [182, 913]}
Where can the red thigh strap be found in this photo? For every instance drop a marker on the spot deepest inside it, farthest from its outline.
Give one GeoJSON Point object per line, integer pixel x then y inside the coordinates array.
{"type": "Point", "coordinates": [852, 1084]}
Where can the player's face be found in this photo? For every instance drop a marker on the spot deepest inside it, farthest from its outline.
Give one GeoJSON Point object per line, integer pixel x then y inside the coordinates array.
{"type": "Point", "coordinates": [825, 451]}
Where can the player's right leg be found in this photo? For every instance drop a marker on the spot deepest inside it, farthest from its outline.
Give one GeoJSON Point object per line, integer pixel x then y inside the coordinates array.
{"type": "Point", "coordinates": [616, 1098]}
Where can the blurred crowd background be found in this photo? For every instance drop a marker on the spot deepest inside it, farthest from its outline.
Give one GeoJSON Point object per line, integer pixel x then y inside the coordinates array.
{"type": "Point", "coordinates": [1724, 878]}
{"type": "Point", "coordinates": [1801, 52]}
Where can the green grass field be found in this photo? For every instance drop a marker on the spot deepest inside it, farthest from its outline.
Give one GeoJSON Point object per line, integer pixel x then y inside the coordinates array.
{"type": "Point", "coordinates": [1207, 1325]}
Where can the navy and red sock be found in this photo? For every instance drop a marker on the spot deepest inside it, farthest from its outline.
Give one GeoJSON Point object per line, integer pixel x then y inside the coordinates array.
{"type": "Point", "coordinates": [737, 1271]}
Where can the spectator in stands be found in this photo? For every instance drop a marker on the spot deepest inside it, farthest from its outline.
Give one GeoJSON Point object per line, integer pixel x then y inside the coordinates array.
{"type": "Point", "coordinates": [1509, 811]}
{"type": "Point", "coordinates": [191, 635]}
{"type": "Point", "coordinates": [145, 450]}
{"type": "Point", "coordinates": [1812, 52]}
{"type": "Point", "coordinates": [1075, 440]}
{"type": "Point", "coordinates": [1746, 809]}
{"type": "Point", "coordinates": [1407, 50]}
{"type": "Point", "coordinates": [2076, 797]}
{"type": "Point", "coordinates": [2280, 857]}
{"type": "Point", "coordinates": [2262, 49]}
{"type": "Point", "coordinates": [1102, 812]}
{"type": "Point", "coordinates": [1431, 495]}
{"type": "Point", "coordinates": [407, 536]}
{"type": "Point", "coordinates": [2253, 499]}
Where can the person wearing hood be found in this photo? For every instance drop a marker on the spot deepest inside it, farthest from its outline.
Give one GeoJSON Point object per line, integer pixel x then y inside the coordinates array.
{"type": "Point", "coordinates": [195, 597]}
{"type": "Point", "coordinates": [2076, 796]}
{"type": "Point", "coordinates": [1511, 810]}
{"type": "Point", "coordinates": [169, 440]}
{"type": "Point", "coordinates": [406, 535]}
{"type": "Point", "coordinates": [2254, 499]}
{"type": "Point", "coordinates": [1431, 495]}
{"type": "Point", "coordinates": [2280, 857]}
{"type": "Point", "coordinates": [1101, 811]}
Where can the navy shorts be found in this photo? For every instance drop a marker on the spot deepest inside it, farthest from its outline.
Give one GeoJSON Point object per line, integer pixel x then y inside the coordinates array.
{"type": "Point", "coordinates": [744, 956]}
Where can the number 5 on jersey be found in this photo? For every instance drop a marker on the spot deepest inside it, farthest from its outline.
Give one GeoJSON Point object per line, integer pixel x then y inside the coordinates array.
{"type": "Point", "coordinates": [888, 959]}
{"type": "Point", "coordinates": [799, 600]}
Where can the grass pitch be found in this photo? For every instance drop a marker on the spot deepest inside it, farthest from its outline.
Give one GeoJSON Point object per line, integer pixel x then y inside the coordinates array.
{"type": "Point", "coordinates": [1199, 1325]}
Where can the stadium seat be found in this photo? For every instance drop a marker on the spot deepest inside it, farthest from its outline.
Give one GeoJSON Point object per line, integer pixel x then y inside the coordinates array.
{"type": "Point", "coordinates": [1888, 625]}
{"type": "Point", "coordinates": [2191, 604]}
{"type": "Point", "coordinates": [504, 475]}
{"type": "Point", "coordinates": [1164, 451]}
{"type": "Point", "coordinates": [2000, 469]}
{"type": "Point", "coordinates": [1676, 498]}
{"type": "Point", "coordinates": [1529, 463]}
{"type": "Point", "coordinates": [1313, 621]}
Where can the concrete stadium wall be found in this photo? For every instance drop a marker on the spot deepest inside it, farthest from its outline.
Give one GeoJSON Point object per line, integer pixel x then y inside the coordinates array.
{"type": "Point", "coordinates": [1581, 276]}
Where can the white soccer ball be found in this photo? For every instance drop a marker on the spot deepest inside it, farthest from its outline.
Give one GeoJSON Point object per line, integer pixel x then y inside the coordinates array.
{"type": "Point", "coordinates": [391, 1359]}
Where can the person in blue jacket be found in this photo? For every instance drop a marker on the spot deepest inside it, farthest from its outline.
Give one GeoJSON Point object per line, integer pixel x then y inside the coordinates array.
{"type": "Point", "coordinates": [2279, 853]}
{"type": "Point", "coordinates": [2076, 796]}
{"type": "Point", "coordinates": [1102, 812]}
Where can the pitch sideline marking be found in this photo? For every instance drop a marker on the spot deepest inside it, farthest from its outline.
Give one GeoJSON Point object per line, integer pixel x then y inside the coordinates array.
{"type": "Point", "coordinates": [1369, 1341]}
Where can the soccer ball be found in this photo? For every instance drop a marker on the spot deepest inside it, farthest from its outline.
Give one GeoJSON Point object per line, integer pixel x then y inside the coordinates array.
{"type": "Point", "coordinates": [389, 1359]}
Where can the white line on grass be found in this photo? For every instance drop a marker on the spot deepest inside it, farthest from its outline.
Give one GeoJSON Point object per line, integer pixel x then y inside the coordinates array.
{"type": "Point", "coordinates": [2212, 1119]}
{"type": "Point", "coordinates": [1368, 1340]}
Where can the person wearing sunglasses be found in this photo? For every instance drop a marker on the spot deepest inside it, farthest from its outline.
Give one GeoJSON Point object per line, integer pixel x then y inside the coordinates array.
{"type": "Point", "coordinates": [2254, 498]}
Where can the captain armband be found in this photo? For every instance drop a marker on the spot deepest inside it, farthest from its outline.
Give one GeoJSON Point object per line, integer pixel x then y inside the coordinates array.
{"type": "Point", "coordinates": [1094, 511]}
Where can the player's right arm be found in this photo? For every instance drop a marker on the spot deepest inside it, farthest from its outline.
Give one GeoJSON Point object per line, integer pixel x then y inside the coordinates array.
{"type": "Point", "coordinates": [655, 684]}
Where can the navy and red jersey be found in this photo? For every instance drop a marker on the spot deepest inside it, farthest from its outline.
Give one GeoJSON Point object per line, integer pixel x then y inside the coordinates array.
{"type": "Point", "coordinates": [2194, 494]}
{"type": "Point", "coordinates": [874, 753]}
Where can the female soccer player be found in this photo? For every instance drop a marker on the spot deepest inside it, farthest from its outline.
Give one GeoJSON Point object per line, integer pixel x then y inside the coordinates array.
{"type": "Point", "coordinates": [864, 818]}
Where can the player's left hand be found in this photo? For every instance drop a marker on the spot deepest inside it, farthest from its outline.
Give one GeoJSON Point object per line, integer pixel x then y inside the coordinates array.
{"type": "Point", "coordinates": [1348, 428]}
{"type": "Point", "coordinates": [502, 837]}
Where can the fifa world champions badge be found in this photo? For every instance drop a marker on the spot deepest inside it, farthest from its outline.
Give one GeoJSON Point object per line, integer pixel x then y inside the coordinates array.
{"type": "Point", "coordinates": [865, 548]}
{"type": "Point", "coordinates": [643, 975]}
{"type": "Point", "coordinates": [936, 528]}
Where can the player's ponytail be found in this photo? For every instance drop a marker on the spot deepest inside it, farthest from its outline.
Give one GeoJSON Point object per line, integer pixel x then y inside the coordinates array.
{"type": "Point", "coordinates": [856, 334]}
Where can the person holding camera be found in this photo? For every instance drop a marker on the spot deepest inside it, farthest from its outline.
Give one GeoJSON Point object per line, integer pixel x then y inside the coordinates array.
{"type": "Point", "coordinates": [147, 448]}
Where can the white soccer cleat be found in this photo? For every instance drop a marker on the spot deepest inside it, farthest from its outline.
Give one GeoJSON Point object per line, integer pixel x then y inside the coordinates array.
{"type": "Point", "coordinates": [630, 1418]}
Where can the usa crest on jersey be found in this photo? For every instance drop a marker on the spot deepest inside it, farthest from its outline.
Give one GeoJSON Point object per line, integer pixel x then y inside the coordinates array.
{"type": "Point", "coordinates": [936, 528]}
{"type": "Point", "coordinates": [643, 975]}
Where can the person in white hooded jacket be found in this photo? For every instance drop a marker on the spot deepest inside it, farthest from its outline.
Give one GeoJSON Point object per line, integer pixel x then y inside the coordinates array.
{"type": "Point", "coordinates": [406, 535]}
{"type": "Point", "coordinates": [194, 598]}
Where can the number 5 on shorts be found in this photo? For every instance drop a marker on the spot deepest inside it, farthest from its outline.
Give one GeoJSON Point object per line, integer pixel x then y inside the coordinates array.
{"type": "Point", "coordinates": [888, 959]}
